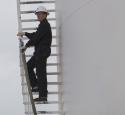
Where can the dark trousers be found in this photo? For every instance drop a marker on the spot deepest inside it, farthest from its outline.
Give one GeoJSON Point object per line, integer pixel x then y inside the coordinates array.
{"type": "Point", "coordinates": [38, 78]}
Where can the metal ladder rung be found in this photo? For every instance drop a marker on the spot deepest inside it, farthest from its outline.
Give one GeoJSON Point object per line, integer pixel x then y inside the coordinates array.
{"type": "Point", "coordinates": [49, 93]}
{"type": "Point", "coordinates": [28, 12]}
{"type": "Point", "coordinates": [49, 102]}
{"type": "Point", "coordinates": [49, 83]}
{"type": "Point", "coordinates": [45, 112]}
{"type": "Point", "coordinates": [37, 2]}
{"type": "Point", "coordinates": [48, 64]}
{"type": "Point", "coordinates": [48, 112]}
{"type": "Point", "coordinates": [49, 73]}
{"type": "Point", "coordinates": [25, 38]}
{"type": "Point", "coordinates": [52, 64]}
{"type": "Point", "coordinates": [33, 20]}
{"type": "Point", "coordinates": [54, 83]}
{"type": "Point", "coordinates": [50, 55]}
{"type": "Point", "coordinates": [54, 45]}
{"type": "Point", "coordinates": [40, 102]}
{"type": "Point", "coordinates": [51, 46]}
{"type": "Point", "coordinates": [33, 28]}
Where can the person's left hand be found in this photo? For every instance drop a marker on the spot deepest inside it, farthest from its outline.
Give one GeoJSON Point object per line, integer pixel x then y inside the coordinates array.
{"type": "Point", "coordinates": [20, 33]}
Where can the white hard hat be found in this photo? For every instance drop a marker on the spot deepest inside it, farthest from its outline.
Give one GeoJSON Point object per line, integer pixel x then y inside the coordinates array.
{"type": "Point", "coordinates": [41, 9]}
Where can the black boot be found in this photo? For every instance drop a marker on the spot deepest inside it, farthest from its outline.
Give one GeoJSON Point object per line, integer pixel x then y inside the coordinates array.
{"type": "Point", "coordinates": [43, 99]}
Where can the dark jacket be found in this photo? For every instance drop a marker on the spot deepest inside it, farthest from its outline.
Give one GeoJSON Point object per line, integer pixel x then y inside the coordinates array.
{"type": "Point", "coordinates": [41, 39]}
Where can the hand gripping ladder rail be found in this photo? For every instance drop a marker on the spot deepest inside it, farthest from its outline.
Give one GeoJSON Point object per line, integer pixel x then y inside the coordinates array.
{"type": "Point", "coordinates": [25, 10]}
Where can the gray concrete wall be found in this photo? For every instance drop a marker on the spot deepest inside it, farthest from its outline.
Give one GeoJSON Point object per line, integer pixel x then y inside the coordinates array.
{"type": "Point", "coordinates": [93, 56]}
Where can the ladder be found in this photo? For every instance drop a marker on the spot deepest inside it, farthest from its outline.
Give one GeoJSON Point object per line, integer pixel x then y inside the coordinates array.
{"type": "Point", "coordinates": [27, 22]}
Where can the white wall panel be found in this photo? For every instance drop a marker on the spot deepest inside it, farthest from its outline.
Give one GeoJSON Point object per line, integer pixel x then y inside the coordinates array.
{"type": "Point", "coordinates": [93, 54]}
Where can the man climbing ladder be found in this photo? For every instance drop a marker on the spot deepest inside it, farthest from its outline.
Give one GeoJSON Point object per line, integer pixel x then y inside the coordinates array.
{"type": "Point", "coordinates": [41, 40]}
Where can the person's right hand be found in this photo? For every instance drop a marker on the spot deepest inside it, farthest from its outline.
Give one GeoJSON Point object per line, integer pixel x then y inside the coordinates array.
{"type": "Point", "coordinates": [21, 34]}
{"type": "Point", "coordinates": [23, 48]}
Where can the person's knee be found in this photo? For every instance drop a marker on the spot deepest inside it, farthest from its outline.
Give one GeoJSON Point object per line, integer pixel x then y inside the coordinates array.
{"type": "Point", "coordinates": [41, 69]}
{"type": "Point", "coordinates": [29, 66]}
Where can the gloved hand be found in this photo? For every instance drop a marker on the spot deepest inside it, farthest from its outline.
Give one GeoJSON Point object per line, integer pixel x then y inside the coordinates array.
{"type": "Point", "coordinates": [23, 48]}
{"type": "Point", "coordinates": [21, 34]}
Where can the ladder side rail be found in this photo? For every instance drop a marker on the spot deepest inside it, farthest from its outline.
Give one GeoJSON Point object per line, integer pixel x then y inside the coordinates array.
{"type": "Point", "coordinates": [23, 61]}
{"type": "Point", "coordinates": [23, 65]}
